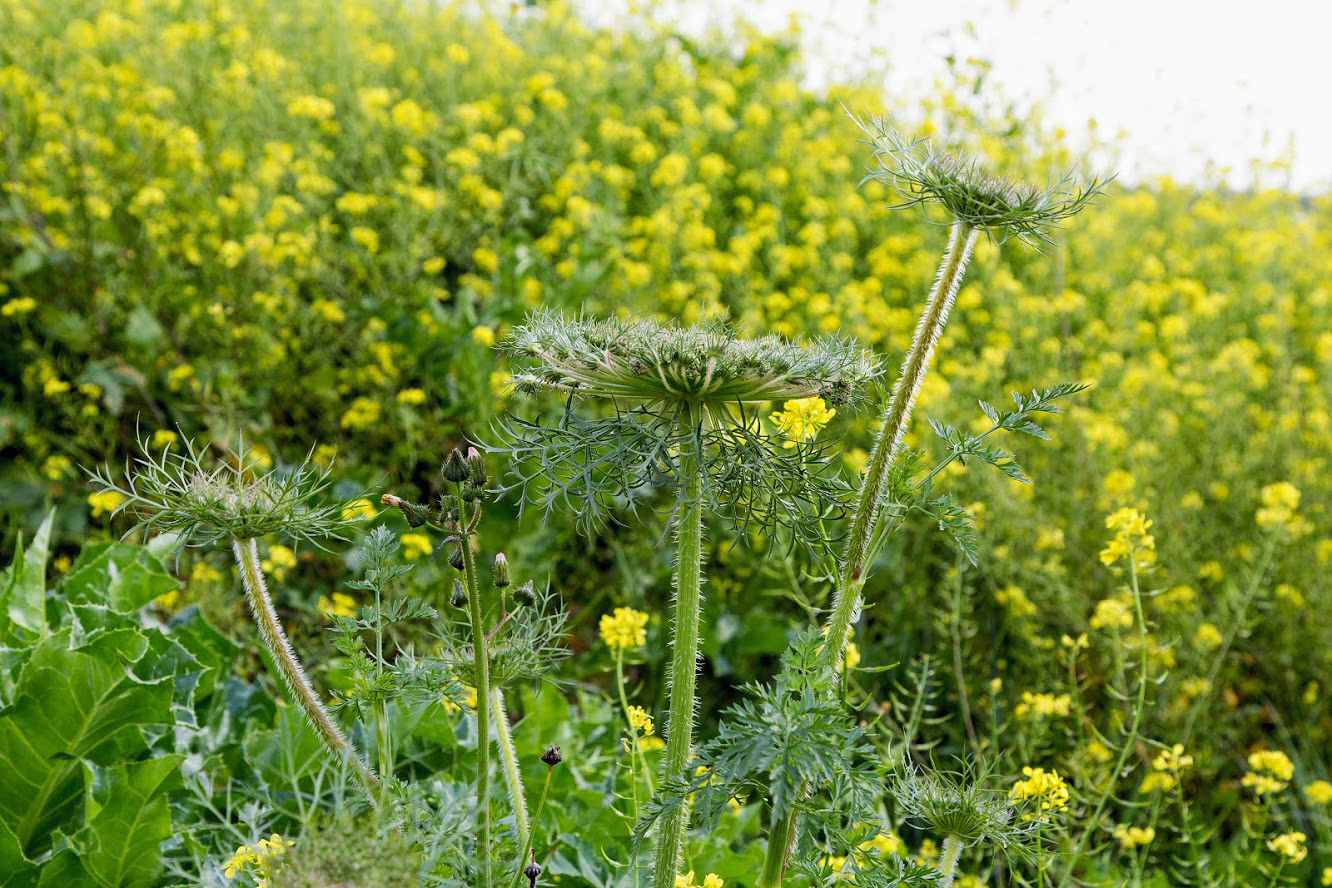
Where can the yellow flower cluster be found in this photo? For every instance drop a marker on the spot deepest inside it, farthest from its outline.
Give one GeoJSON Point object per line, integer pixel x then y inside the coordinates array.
{"type": "Point", "coordinates": [1045, 788]}
{"type": "Point", "coordinates": [625, 629]}
{"type": "Point", "coordinates": [339, 605]}
{"type": "Point", "coordinates": [1270, 770]}
{"type": "Point", "coordinates": [711, 880]}
{"type": "Point", "coordinates": [1129, 537]}
{"type": "Point", "coordinates": [640, 720]}
{"type": "Point", "coordinates": [1277, 512]}
{"type": "Point", "coordinates": [1290, 846]}
{"type": "Point", "coordinates": [801, 419]}
{"type": "Point", "coordinates": [257, 860]}
{"type": "Point", "coordinates": [1043, 705]}
{"type": "Point", "coordinates": [1134, 836]}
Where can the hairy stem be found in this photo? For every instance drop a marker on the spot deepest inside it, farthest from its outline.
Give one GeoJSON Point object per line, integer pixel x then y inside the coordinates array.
{"type": "Point", "coordinates": [684, 656]}
{"type": "Point", "coordinates": [481, 661]}
{"type": "Point", "coordinates": [293, 675]}
{"type": "Point", "coordinates": [952, 851]}
{"type": "Point", "coordinates": [513, 778]}
{"type": "Point", "coordinates": [851, 579]}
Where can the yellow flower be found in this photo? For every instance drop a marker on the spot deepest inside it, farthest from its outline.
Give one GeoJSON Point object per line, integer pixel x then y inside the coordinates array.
{"type": "Point", "coordinates": [104, 502]}
{"type": "Point", "coordinates": [17, 306]}
{"type": "Point", "coordinates": [411, 396]}
{"type": "Point", "coordinates": [801, 419]}
{"type": "Point", "coordinates": [340, 605]}
{"type": "Point", "coordinates": [368, 238]}
{"type": "Point", "coordinates": [1130, 537]}
{"type": "Point", "coordinates": [362, 414]}
{"type": "Point", "coordinates": [416, 545]}
{"type": "Point", "coordinates": [711, 880]}
{"type": "Point", "coordinates": [1277, 512]}
{"type": "Point", "coordinates": [361, 508]}
{"type": "Point", "coordinates": [312, 107]}
{"type": "Point", "coordinates": [280, 560]}
{"type": "Point", "coordinates": [1046, 788]}
{"type": "Point", "coordinates": [640, 720]}
{"type": "Point", "coordinates": [1043, 705]}
{"type": "Point", "coordinates": [851, 657]}
{"type": "Point", "coordinates": [1111, 613]}
{"type": "Point", "coordinates": [1134, 836]}
{"type": "Point", "coordinates": [1290, 846]}
{"type": "Point", "coordinates": [484, 336]}
{"type": "Point", "coordinates": [625, 629]}
{"type": "Point", "coordinates": [1173, 760]}
{"type": "Point", "coordinates": [1270, 771]}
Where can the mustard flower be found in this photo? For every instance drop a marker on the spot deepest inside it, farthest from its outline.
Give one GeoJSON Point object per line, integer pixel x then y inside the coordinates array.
{"type": "Point", "coordinates": [1129, 537]}
{"type": "Point", "coordinates": [801, 419]}
{"type": "Point", "coordinates": [1319, 792]}
{"type": "Point", "coordinates": [1045, 788]}
{"type": "Point", "coordinates": [1270, 771]}
{"type": "Point", "coordinates": [1290, 846]}
{"type": "Point", "coordinates": [625, 629]}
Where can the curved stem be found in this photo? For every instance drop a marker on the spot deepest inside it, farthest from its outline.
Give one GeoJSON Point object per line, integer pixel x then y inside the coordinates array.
{"type": "Point", "coordinates": [293, 676]}
{"type": "Point", "coordinates": [481, 663]}
{"type": "Point", "coordinates": [952, 851]}
{"type": "Point", "coordinates": [513, 777]}
{"type": "Point", "coordinates": [684, 658]}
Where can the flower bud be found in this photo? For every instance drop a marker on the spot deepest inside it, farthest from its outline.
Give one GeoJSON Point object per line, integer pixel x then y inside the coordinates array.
{"type": "Point", "coordinates": [525, 594]}
{"type": "Point", "coordinates": [459, 598]}
{"type": "Point", "coordinates": [552, 756]}
{"type": "Point", "coordinates": [532, 871]}
{"type": "Point", "coordinates": [501, 571]}
{"type": "Point", "coordinates": [476, 464]}
{"type": "Point", "coordinates": [415, 513]}
{"type": "Point", "coordinates": [456, 557]}
{"type": "Point", "coordinates": [473, 493]}
{"type": "Point", "coordinates": [455, 468]}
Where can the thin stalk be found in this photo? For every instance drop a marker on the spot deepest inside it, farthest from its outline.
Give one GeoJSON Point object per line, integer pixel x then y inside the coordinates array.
{"type": "Point", "coordinates": [293, 675]}
{"type": "Point", "coordinates": [851, 575]}
{"type": "Point", "coordinates": [481, 662]}
{"type": "Point", "coordinates": [513, 778]}
{"type": "Point", "coordinates": [1139, 705]}
{"type": "Point", "coordinates": [952, 852]}
{"type": "Point", "coordinates": [536, 818]}
{"type": "Point", "coordinates": [684, 657]}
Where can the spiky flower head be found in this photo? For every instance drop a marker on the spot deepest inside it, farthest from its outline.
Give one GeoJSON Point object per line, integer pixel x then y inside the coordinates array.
{"type": "Point", "coordinates": [186, 492]}
{"type": "Point", "coordinates": [646, 361]}
{"type": "Point", "coordinates": [971, 193]}
{"type": "Point", "coordinates": [961, 806]}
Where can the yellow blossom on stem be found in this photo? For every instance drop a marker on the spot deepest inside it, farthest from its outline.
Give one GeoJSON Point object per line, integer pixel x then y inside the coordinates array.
{"type": "Point", "coordinates": [801, 419]}
{"type": "Point", "coordinates": [624, 629]}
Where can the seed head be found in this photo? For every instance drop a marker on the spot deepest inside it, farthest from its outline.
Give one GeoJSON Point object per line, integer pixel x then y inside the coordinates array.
{"type": "Point", "coordinates": [971, 193]}
{"type": "Point", "coordinates": [552, 756]}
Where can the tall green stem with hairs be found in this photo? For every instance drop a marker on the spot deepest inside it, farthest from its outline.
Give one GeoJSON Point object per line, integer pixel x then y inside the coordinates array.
{"type": "Point", "coordinates": [513, 777]}
{"type": "Point", "coordinates": [952, 852]}
{"type": "Point", "coordinates": [851, 574]}
{"type": "Point", "coordinates": [293, 675]}
{"type": "Point", "coordinates": [684, 655]}
{"type": "Point", "coordinates": [481, 661]}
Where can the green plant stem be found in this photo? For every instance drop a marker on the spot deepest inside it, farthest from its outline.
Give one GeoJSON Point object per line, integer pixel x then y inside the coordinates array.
{"type": "Point", "coordinates": [952, 852]}
{"type": "Point", "coordinates": [684, 643]}
{"type": "Point", "coordinates": [481, 661]}
{"type": "Point", "coordinates": [851, 575]}
{"type": "Point", "coordinates": [536, 818]}
{"type": "Point", "coordinates": [293, 675]}
{"type": "Point", "coordinates": [513, 777]}
{"type": "Point", "coordinates": [1139, 705]}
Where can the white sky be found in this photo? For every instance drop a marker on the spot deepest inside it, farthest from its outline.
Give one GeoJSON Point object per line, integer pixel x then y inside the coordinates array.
{"type": "Point", "coordinates": [1187, 86]}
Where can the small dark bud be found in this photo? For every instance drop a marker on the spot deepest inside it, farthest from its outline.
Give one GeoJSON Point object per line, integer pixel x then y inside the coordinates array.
{"type": "Point", "coordinates": [456, 558]}
{"type": "Point", "coordinates": [476, 464]}
{"type": "Point", "coordinates": [459, 598]}
{"type": "Point", "coordinates": [415, 513]}
{"type": "Point", "coordinates": [552, 756]}
{"type": "Point", "coordinates": [532, 871]}
{"type": "Point", "coordinates": [501, 571]}
{"type": "Point", "coordinates": [455, 467]}
{"type": "Point", "coordinates": [525, 594]}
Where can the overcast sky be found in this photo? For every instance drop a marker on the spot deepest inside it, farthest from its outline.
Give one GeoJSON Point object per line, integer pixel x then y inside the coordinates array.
{"type": "Point", "coordinates": [1193, 86]}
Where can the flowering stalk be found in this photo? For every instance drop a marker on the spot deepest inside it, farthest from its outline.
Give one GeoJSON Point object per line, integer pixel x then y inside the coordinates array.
{"type": "Point", "coordinates": [684, 656]}
{"type": "Point", "coordinates": [275, 640]}
{"type": "Point", "coordinates": [513, 778]}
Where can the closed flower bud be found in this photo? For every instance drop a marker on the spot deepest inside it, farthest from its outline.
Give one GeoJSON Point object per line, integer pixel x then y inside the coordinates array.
{"type": "Point", "coordinates": [459, 598]}
{"type": "Point", "coordinates": [448, 507]}
{"type": "Point", "coordinates": [415, 513]}
{"type": "Point", "coordinates": [552, 756]}
{"type": "Point", "coordinates": [472, 493]}
{"type": "Point", "coordinates": [532, 871]}
{"type": "Point", "coordinates": [455, 467]}
{"type": "Point", "coordinates": [456, 558]}
{"type": "Point", "coordinates": [501, 571]}
{"type": "Point", "coordinates": [476, 464]}
{"type": "Point", "coordinates": [525, 594]}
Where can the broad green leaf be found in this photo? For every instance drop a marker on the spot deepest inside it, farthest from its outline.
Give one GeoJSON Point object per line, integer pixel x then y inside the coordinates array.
{"type": "Point", "coordinates": [16, 871]}
{"type": "Point", "coordinates": [122, 577]}
{"type": "Point", "coordinates": [287, 754]}
{"type": "Point", "coordinates": [64, 871]}
{"type": "Point", "coordinates": [72, 704]}
{"type": "Point", "coordinates": [23, 589]}
{"type": "Point", "coordinates": [127, 819]}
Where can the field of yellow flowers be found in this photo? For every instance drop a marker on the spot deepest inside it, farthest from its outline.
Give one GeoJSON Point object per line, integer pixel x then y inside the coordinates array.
{"type": "Point", "coordinates": [307, 223]}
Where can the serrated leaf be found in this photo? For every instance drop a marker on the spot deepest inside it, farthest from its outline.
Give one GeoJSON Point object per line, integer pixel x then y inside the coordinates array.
{"type": "Point", "coordinates": [23, 588]}
{"type": "Point", "coordinates": [72, 704]}
{"type": "Point", "coordinates": [119, 576]}
{"type": "Point", "coordinates": [127, 818]}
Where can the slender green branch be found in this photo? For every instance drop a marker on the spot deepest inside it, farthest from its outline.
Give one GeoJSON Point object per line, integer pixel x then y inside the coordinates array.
{"type": "Point", "coordinates": [684, 658]}
{"type": "Point", "coordinates": [482, 667]}
{"type": "Point", "coordinates": [536, 818]}
{"type": "Point", "coordinates": [513, 777]}
{"type": "Point", "coordinates": [275, 640]}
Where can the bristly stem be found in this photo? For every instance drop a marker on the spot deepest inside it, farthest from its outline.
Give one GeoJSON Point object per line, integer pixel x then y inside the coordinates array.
{"type": "Point", "coordinates": [293, 676]}
{"type": "Point", "coordinates": [513, 777]}
{"type": "Point", "coordinates": [952, 852]}
{"type": "Point", "coordinates": [851, 574]}
{"type": "Point", "coordinates": [482, 666]}
{"type": "Point", "coordinates": [684, 643]}
{"type": "Point", "coordinates": [851, 577]}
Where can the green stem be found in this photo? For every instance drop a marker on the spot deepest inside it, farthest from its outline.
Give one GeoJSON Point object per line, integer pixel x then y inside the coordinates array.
{"type": "Point", "coordinates": [952, 852]}
{"type": "Point", "coordinates": [851, 575]}
{"type": "Point", "coordinates": [684, 659]}
{"type": "Point", "coordinates": [851, 578]}
{"type": "Point", "coordinates": [293, 676]}
{"type": "Point", "coordinates": [481, 661]}
{"type": "Point", "coordinates": [527, 846]}
{"type": "Point", "coordinates": [1139, 705]}
{"type": "Point", "coordinates": [513, 778]}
